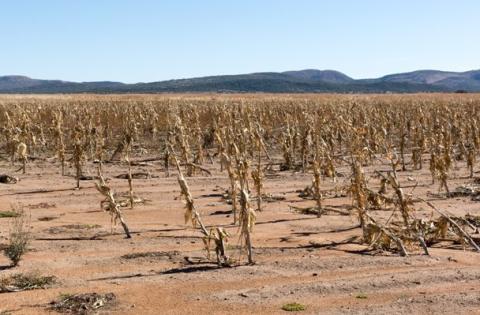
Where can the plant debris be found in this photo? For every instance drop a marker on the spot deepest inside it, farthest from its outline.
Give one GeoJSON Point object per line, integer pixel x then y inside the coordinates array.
{"type": "Point", "coordinates": [7, 179]}
{"type": "Point", "coordinates": [23, 282]}
{"type": "Point", "coordinates": [170, 255]}
{"type": "Point", "coordinates": [82, 304]}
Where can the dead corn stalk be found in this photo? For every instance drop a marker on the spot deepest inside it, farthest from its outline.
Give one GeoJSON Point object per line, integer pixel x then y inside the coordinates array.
{"type": "Point", "coordinates": [113, 206]}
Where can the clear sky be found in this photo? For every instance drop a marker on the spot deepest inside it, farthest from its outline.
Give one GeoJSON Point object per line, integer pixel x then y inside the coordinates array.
{"type": "Point", "coordinates": [152, 40]}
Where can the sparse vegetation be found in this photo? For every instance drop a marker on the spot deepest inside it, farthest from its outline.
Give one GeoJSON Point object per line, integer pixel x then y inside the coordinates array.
{"type": "Point", "coordinates": [293, 307]}
{"type": "Point", "coordinates": [23, 282]}
{"type": "Point", "coordinates": [390, 160]}
{"type": "Point", "coordinates": [83, 304]}
{"type": "Point", "coordinates": [9, 214]}
{"type": "Point", "coordinates": [361, 296]}
{"type": "Point", "coordinates": [19, 236]}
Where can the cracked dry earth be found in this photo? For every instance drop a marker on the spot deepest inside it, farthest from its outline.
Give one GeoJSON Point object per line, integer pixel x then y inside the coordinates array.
{"type": "Point", "coordinates": [299, 258]}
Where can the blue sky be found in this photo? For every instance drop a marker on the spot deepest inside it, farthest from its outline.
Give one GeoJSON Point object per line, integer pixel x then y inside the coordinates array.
{"type": "Point", "coordinates": [147, 40]}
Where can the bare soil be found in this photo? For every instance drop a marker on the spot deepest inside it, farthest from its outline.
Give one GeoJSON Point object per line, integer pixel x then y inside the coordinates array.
{"type": "Point", "coordinates": [315, 261]}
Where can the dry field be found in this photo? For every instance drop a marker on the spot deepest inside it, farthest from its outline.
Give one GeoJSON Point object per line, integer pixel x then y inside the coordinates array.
{"type": "Point", "coordinates": [240, 204]}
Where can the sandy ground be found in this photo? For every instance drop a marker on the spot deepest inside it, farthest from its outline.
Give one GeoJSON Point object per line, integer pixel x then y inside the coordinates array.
{"type": "Point", "coordinates": [299, 258]}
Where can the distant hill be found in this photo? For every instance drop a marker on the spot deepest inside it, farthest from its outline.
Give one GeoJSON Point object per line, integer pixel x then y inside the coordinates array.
{"type": "Point", "coordinates": [468, 81]}
{"type": "Point", "coordinates": [16, 82]}
{"type": "Point", "coordinates": [303, 81]}
{"type": "Point", "coordinates": [22, 84]}
{"type": "Point", "coordinates": [330, 76]}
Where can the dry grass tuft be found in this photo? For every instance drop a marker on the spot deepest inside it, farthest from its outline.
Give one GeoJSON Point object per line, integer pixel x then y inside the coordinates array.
{"type": "Point", "coordinates": [23, 282]}
{"type": "Point", "coordinates": [19, 237]}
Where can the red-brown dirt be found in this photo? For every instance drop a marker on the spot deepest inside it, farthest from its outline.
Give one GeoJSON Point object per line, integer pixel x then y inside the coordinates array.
{"type": "Point", "coordinates": [299, 258]}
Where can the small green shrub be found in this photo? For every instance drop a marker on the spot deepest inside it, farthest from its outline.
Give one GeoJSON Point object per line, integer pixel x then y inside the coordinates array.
{"type": "Point", "coordinates": [19, 237]}
{"type": "Point", "coordinates": [293, 307]}
{"type": "Point", "coordinates": [8, 214]}
{"type": "Point", "coordinates": [361, 296]}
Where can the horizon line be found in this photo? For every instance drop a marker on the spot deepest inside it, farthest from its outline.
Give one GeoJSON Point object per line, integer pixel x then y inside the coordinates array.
{"type": "Point", "coordinates": [235, 74]}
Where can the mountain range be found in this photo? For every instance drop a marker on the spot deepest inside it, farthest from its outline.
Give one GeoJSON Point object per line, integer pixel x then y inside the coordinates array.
{"type": "Point", "coordinates": [303, 81]}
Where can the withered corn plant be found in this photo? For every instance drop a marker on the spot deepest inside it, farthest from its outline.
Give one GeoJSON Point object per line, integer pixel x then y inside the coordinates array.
{"type": "Point", "coordinates": [257, 174]}
{"type": "Point", "coordinates": [78, 159]}
{"type": "Point", "coordinates": [128, 149]}
{"type": "Point", "coordinates": [60, 145]}
{"type": "Point", "coordinates": [112, 205]}
{"type": "Point", "coordinates": [227, 163]}
{"type": "Point", "coordinates": [348, 139]}
{"type": "Point", "coordinates": [247, 215]}
{"type": "Point", "coordinates": [217, 235]}
{"type": "Point", "coordinates": [22, 153]}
